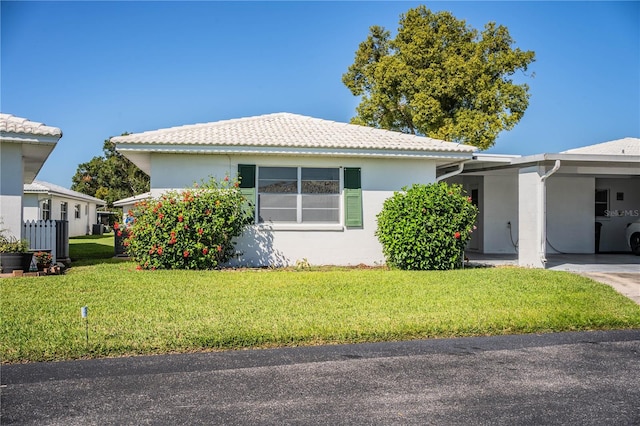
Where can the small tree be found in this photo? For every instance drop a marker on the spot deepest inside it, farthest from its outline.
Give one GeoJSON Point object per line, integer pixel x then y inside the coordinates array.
{"type": "Point", "coordinates": [190, 229]}
{"type": "Point", "coordinates": [426, 227]}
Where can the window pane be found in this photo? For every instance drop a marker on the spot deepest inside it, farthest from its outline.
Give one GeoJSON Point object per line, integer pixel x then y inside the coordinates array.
{"type": "Point", "coordinates": [601, 209]}
{"type": "Point", "coordinates": [320, 181]}
{"type": "Point", "coordinates": [277, 208]}
{"type": "Point", "coordinates": [278, 180]}
{"type": "Point", "coordinates": [321, 208]}
{"type": "Point", "coordinates": [319, 174]}
{"type": "Point", "coordinates": [602, 195]}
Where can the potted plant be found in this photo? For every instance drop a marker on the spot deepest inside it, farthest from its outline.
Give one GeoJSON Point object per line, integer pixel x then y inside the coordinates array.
{"type": "Point", "coordinates": [43, 259]}
{"type": "Point", "coordinates": [14, 254]}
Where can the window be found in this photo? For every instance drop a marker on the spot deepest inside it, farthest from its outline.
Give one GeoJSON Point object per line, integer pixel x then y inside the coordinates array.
{"type": "Point", "coordinates": [46, 209]}
{"type": "Point", "coordinates": [77, 211]}
{"type": "Point", "coordinates": [602, 202]}
{"type": "Point", "coordinates": [63, 211]}
{"type": "Point", "coordinates": [298, 194]}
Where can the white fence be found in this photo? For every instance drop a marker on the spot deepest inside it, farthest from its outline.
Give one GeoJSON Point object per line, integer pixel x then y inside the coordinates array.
{"type": "Point", "coordinates": [50, 235]}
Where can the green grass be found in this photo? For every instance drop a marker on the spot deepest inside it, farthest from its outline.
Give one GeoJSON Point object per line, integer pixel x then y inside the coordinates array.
{"type": "Point", "coordinates": [92, 250]}
{"type": "Point", "coordinates": [145, 312]}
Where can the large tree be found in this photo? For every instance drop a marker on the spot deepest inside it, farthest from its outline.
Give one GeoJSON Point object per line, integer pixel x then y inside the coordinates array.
{"type": "Point", "coordinates": [110, 177]}
{"type": "Point", "coordinates": [440, 78]}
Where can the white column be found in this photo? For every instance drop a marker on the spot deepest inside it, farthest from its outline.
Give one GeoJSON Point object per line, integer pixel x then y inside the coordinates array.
{"type": "Point", "coordinates": [531, 217]}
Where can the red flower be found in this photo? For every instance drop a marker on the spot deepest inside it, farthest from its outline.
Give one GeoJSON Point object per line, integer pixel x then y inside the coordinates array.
{"type": "Point", "coordinates": [160, 216]}
{"type": "Point", "coordinates": [226, 178]}
{"type": "Point", "coordinates": [119, 233]}
{"type": "Point", "coordinates": [205, 251]}
{"type": "Point", "coordinates": [219, 249]}
{"type": "Point", "coordinates": [159, 250]}
{"type": "Point", "coordinates": [200, 231]}
{"type": "Point", "coordinates": [139, 268]}
{"type": "Point", "coordinates": [116, 225]}
{"type": "Point", "coordinates": [457, 235]}
{"type": "Point", "coordinates": [469, 199]}
{"type": "Point", "coordinates": [151, 250]}
{"type": "Point", "coordinates": [185, 253]}
{"type": "Point", "coordinates": [180, 218]}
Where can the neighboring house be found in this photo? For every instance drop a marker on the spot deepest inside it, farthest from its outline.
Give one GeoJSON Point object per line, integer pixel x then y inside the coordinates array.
{"type": "Point", "coordinates": [24, 147]}
{"type": "Point", "coordinates": [46, 201]}
{"type": "Point", "coordinates": [576, 201]}
{"type": "Point", "coordinates": [317, 185]}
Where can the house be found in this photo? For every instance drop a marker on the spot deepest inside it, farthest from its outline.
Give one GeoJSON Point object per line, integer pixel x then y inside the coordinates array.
{"type": "Point", "coordinates": [46, 201]}
{"type": "Point", "coordinates": [24, 147]}
{"type": "Point", "coordinates": [576, 202]}
{"type": "Point", "coordinates": [317, 185]}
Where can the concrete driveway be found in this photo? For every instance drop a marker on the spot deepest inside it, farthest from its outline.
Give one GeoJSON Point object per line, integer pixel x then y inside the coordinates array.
{"type": "Point", "coordinates": [588, 378]}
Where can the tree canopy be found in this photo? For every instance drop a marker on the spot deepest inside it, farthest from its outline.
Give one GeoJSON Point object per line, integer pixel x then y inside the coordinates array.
{"type": "Point", "coordinates": [440, 78]}
{"type": "Point", "coordinates": [110, 177]}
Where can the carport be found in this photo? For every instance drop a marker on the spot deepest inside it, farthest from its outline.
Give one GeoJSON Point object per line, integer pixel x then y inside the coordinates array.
{"type": "Point", "coordinates": [536, 206]}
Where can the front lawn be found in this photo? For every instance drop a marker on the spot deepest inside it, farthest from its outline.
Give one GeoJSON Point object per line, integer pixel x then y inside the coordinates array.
{"type": "Point", "coordinates": [150, 312]}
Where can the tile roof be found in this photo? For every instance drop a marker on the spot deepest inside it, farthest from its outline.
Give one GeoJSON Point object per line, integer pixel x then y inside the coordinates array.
{"type": "Point", "coordinates": [626, 146]}
{"type": "Point", "coordinates": [289, 130]}
{"type": "Point", "coordinates": [13, 124]}
{"type": "Point", "coordinates": [50, 188]}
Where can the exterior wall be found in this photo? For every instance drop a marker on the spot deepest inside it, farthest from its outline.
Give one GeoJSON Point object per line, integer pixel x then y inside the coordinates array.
{"type": "Point", "coordinates": [264, 245]}
{"type": "Point", "coordinates": [570, 214]}
{"type": "Point", "coordinates": [500, 207]}
{"type": "Point", "coordinates": [11, 183]}
{"type": "Point", "coordinates": [77, 227]}
{"type": "Point", "coordinates": [621, 212]}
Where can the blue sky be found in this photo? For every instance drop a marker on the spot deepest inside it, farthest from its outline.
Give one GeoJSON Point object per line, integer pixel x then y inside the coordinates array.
{"type": "Point", "coordinates": [98, 69]}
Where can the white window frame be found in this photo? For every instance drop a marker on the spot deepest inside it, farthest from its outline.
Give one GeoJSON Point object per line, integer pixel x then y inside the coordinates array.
{"type": "Point", "coordinates": [299, 224]}
{"type": "Point", "coordinates": [45, 212]}
{"type": "Point", "coordinates": [77, 211]}
{"type": "Point", "coordinates": [606, 203]}
{"type": "Point", "coordinates": [64, 210]}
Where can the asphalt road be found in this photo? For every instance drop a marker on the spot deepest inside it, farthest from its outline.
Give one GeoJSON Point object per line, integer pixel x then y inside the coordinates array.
{"type": "Point", "coordinates": [588, 378]}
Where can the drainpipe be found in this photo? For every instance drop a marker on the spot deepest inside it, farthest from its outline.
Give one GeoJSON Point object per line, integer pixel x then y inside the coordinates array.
{"type": "Point", "coordinates": [453, 173]}
{"type": "Point", "coordinates": [543, 211]}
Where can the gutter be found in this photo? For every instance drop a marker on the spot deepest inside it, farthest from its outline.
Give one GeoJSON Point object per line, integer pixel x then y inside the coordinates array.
{"type": "Point", "coordinates": [453, 173]}
{"type": "Point", "coordinates": [543, 211]}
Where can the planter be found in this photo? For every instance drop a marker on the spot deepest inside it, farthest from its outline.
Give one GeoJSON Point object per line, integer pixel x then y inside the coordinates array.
{"type": "Point", "coordinates": [10, 262]}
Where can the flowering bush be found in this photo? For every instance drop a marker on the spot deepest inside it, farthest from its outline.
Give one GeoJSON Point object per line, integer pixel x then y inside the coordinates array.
{"type": "Point", "coordinates": [190, 229]}
{"type": "Point", "coordinates": [43, 258]}
{"type": "Point", "coordinates": [426, 227]}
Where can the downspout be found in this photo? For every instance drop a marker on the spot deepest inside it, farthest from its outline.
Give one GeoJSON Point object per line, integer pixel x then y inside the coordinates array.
{"type": "Point", "coordinates": [453, 173]}
{"type": "Point", "coordinates": [543, 211]}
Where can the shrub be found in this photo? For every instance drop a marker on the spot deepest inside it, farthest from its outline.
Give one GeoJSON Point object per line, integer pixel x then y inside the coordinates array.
{"type": "Point", "coordinates": [426, 227]}
{"type": "Point", "coordinates": [190, 229]}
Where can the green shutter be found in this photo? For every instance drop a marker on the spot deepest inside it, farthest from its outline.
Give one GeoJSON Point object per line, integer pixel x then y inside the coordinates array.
{"type": "Point", "coordinates": [352, 198]}
{"type": "Point", "coordinates": [247, 176]}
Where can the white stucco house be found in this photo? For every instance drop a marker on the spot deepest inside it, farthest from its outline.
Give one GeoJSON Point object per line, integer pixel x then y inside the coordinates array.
{"type": "Point", "coordinates": [24, 147]}
{"type": "Point", "coordinates": [577, 201]}
{"type": "Point", "coordinates": [47, 201]}
{"type": "Point", "coordinates": [317, 184]}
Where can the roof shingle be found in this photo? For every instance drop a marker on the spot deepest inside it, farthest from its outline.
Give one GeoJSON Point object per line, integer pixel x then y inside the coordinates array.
{"type": "Point", "coordinates": [13, 124]}
{"type": "Point", "coordinates": [290, 130]}
{"type": "Point", "coordinates": [626, 146]}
